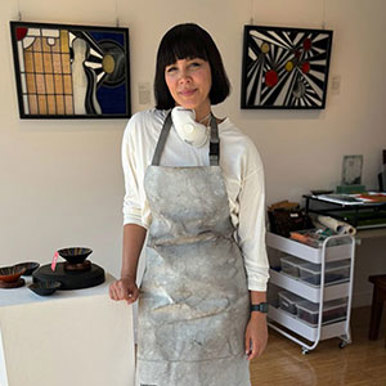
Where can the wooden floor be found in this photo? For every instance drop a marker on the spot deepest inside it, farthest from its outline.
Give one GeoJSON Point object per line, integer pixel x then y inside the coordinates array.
{"type": "Point", "coordinates": [361, 363]}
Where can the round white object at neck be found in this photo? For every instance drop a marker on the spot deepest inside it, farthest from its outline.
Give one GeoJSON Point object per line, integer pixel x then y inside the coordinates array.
{"type": "Point", "coordinates": [190, 131]}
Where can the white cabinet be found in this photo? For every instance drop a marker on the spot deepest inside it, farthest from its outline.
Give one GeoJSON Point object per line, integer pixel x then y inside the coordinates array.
{"type": "Point", "coordinates": [334, 248]}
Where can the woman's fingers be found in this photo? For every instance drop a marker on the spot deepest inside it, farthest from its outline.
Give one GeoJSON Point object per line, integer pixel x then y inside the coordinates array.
{"type": "Point", "coordinates": [254, 347]}
{"type": "Point", "coordinates": [256, 336]}
{"type": "Point", "coordinates": [251, 352]}
{"type": "Point", "coordinates": [248, 343]}
{"type": "Point", "coordinates": [121, 290]}
{"type": "Point", "coordinates": [132, 295]}
{"type": "Point", "coordinates": [112, 292]}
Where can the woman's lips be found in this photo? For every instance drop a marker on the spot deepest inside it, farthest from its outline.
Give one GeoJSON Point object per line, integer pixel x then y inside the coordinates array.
{"type": "Point", "coordinates": [187, 92]}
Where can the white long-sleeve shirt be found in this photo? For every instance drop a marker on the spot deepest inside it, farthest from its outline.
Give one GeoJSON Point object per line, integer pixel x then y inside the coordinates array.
{"type": "Point", "coordinates": [242, 170]}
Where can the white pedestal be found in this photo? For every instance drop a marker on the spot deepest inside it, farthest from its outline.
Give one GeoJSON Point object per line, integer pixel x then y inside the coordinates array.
{"type": "Point", "coordinates": [72, 338]}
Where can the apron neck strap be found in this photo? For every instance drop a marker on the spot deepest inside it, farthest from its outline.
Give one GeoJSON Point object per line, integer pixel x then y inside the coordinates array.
{"type": "Point", "coordinates": [162, 139]}
{"type": "Point", "coordinates": [214, 146]}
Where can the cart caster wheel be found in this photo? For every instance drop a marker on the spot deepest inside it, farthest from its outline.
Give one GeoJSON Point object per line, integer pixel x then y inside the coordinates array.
{"type": "Point", "coordinates": [342, 344]}
{"type": "Point", "coordinates": [305, 351]}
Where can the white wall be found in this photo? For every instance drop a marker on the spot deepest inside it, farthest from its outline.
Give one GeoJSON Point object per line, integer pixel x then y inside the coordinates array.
{"type": "Point", "coordinates": [61, 181]}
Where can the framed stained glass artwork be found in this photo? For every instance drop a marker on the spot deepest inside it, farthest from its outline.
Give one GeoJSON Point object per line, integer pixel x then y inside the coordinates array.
{"type": "Point", "coordinates": [285, 68]}
{"type": "Point", "coordinates": [68, 71]}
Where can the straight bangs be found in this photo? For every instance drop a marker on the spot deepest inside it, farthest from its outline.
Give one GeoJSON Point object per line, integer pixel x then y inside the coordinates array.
{"type": "Point", "coordinates": [183, 47]}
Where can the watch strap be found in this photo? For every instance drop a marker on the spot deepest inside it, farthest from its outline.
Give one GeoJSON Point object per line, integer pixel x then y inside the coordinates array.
{"type": "Point", "coordinates": [261, 307]}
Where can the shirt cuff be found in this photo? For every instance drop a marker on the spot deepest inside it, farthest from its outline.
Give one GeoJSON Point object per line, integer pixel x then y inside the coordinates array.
{"type": "Point", "coordinates": [132, 219]}
{"type": "Point", "coordinates": [258, 284]}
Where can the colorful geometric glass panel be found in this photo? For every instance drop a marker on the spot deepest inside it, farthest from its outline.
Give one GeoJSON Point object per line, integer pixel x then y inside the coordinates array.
{"type": "Point", "coordinates": [65, 71]}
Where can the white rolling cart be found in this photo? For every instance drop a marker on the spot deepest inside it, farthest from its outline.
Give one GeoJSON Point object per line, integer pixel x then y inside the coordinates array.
{"type": "Point", "coordinates": [321, 293]}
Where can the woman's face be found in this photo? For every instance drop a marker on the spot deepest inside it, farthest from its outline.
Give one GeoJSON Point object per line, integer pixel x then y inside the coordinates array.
{"type": "Point", "coordinates": [189, 82]}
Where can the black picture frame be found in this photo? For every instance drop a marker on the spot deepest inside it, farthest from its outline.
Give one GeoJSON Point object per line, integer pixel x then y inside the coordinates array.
{"type": "Point", "coordinates": [285, 68]}
{"type": "Point", "coordinates": [66, 71]}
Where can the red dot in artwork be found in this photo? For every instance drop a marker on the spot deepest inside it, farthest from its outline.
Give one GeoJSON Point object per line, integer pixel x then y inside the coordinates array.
{"type": "Point", "coordinates": [307, 44]}
{"type": "Point", "coordinates": [21, 32]}
{"type": "Point", "coordinates": [306, 67]}
{"type": "Point", "coordinates": [271, 78]}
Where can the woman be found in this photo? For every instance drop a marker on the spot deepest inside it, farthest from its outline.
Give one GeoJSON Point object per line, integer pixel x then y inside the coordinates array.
{"type": "Point", "coordinates": [195, 183]}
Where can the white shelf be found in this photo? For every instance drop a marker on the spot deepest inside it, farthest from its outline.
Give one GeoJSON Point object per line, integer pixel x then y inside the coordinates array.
{"type": "Point", "coordinates": [317, 294]}
{"type": "Point", "coordinates": [305, 252]}
{"type": "Point", "coordinates": [307, 291]}
{"type": "Point", "coordinates": [303, 329]}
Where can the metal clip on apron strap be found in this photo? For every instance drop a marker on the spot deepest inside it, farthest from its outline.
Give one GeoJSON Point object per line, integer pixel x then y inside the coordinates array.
{"type": "Point", "coordinates": [214, 146]}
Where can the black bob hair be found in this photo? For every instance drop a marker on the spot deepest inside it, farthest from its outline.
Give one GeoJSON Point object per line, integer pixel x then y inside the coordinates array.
{"type": "Point", "coordinates": [189, 41]}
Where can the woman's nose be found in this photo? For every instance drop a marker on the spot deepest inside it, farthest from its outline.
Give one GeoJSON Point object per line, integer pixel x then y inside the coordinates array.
{"type": "Point", "coordinates": [184, 76]}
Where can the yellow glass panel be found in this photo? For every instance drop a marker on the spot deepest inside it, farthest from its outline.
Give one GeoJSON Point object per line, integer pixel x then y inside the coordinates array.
{"type": "Point", "coordinates": [37, 45]}
{"type": "Point", "coordinates": [42, 101]}
{"type": "Point", "coordinates": [66, 64]}
{"type": "Point", "coordinates": [50, 84]}
{"type": "Point", "coordinates": [56, 63]}
{"type": "Point", "coordinates": [38, 57]}
{"type": "Point", "coordinates": [46, 47]}
{"type": "Point", "coordinates": [64, 46]}
{"type": "Point", "coordinates": [68, 101]}
{"type": "Point", "coordinates": [28, 62]}
{"type": "Point", "coordinates": [32, 104]}
{"type": "Point", "coordinates": [60, 104]}
{"type": "Point", "coordinates": [51, 104]}
{"type": "Point", "coordinates": [56, 47]}
{"type": "Point", "coordinates": [47, 63]}
{"type": "Point", "coordinates": [31, 85]}
{"type": "Point", "coordinates": [67, 80]}
{"type": "Point", "coordinates": [40, 86]}
{"type": "Point", "coordinates": [58, 84]}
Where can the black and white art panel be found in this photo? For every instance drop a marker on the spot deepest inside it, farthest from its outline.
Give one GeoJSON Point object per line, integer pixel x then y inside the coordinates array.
{"type": "Point", "coordinates": [285, 68]}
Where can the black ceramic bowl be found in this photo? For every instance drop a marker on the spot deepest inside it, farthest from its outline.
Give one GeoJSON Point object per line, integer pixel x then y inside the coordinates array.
{"type": "Point", "coordinates": [29, 266]}
{"type": "Point", "coordinates": [45, 288]}
{"type": "Point", "coordinates": [75, 255]}
{"type": "Point", "coordinates": [11, 274]}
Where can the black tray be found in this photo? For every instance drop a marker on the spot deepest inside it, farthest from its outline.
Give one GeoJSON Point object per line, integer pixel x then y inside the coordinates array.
{"type": "Point", "coordinates": [71, 280]}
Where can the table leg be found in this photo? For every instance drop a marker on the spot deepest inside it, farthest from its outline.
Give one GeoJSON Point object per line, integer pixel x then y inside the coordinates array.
{"type": "Point", "coordinates": [376, 314]}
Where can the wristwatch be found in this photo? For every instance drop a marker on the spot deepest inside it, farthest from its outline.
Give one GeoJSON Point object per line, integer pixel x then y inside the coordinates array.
{"type": "Point", "coordinates": [261, 307]}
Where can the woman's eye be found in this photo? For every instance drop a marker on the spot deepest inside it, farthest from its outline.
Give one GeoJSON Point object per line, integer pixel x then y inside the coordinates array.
{"type": "Point", "coordinates": [195, 64]}
{"type": "Point", "coordinates": [171, 69]}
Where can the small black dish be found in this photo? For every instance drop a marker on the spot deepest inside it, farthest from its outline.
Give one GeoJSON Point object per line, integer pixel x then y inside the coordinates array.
{"type": "Point", "coordinates": [45, 288]}
{"type": "Point", "coordinates": [75, 255]}
{"type": "Point", "coordinates": [29, 266]}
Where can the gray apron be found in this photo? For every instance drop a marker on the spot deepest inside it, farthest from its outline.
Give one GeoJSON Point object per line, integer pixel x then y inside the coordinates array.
{"type": "Point", "coordinates": [194, 300]}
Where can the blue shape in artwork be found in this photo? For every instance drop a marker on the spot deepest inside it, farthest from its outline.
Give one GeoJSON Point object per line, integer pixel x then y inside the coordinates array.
{"type": "Point", "coordinates": [116, 36]}
{"type": "Point", "coordinates": [112, 100]}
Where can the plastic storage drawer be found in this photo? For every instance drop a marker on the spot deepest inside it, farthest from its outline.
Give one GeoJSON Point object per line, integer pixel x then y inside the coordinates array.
{"type": "Point", "coordinates": [334, 309]}
{"type": "Point", "coordinates": [288, 301]}
{"type": "Point", "coordinates": [336, 271]}
{"type": "Point", "coordinates": [290, 265]}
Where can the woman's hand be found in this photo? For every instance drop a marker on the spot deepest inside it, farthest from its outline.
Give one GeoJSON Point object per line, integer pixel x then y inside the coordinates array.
{"type": "Point", "coordinates": [256, 335]}
{"type": "Point", "coordinates": [124, 289]}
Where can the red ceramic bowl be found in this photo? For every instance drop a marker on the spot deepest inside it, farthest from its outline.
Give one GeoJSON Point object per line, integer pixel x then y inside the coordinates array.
{"type": "Point", "coordinates": [11, 274]}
